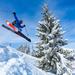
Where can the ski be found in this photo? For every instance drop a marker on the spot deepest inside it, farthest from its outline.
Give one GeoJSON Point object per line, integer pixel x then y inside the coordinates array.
{"type": "Point", "coordinates": [18, 33]}
{"type": "Point", "coordinates": [11, 26]}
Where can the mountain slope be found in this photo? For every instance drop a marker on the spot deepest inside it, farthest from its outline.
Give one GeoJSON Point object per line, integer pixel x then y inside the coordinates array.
{"type": "Point", "coordinates": [13, 62]}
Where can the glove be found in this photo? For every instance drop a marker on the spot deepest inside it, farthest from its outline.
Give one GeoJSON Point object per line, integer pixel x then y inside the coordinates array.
{"type": "Point", "coordinates": [24, 25]}
{"type": "Point", "coordinates": [14, 13]}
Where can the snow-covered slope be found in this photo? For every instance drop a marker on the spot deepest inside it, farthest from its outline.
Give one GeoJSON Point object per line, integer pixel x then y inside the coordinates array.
{"type": "Point", "coordinates": [13, 62]}
{"type": "Point", "coordinates": [73, 67]}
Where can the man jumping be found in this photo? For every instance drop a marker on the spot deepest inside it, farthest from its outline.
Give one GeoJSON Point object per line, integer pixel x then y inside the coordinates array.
{"type": "Point", "coordinates": [18, 23]}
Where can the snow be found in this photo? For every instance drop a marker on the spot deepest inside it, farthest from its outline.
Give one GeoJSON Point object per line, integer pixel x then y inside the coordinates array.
{"type": "Point", "coordinates": [73, 67]}
{"type": "Point", "coordinates": [42, 33]}
{"type": "Point", "coordinates": [13, 62]}
{"type": "Point", "coordinates": [66, 69]}
{"type": "Point", "coordinates": [43, 23]}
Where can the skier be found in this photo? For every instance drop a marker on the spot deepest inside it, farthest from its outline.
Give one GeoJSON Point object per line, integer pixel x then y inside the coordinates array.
{"type": "Point", "coordinates": [16, 27]}
{"type": "Point", "coordinates": [18, 23]}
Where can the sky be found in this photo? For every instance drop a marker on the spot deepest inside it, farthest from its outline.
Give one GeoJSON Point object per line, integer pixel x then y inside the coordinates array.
{"type": "Point", "coordinates": [30, 12]}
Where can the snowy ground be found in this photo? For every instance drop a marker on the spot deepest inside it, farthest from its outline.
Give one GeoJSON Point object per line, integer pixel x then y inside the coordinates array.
{"type": "Point", "coordinates": [13, 62]}
{"type": "Point", "coordinates": [73, 66]}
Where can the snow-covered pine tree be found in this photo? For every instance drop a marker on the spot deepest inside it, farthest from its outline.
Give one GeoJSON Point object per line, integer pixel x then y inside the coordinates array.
{"type": "Point", "coordinates": [68, 53]}
{"type": "Point", "coordinates": [50, 42]}
{"type": "Point", "coordinates": [24, 48]}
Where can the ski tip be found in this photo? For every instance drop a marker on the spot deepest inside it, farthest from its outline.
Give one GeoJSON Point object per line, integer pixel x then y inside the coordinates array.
{"type": "Point", "coordinates": [2, 24]}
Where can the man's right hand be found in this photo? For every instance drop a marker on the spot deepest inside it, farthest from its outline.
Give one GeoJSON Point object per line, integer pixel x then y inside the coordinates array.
{"type": "Point", "coordinates": [14, 13]}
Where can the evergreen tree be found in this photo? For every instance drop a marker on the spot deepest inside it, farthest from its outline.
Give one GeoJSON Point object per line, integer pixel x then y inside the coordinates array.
{"type": "Point", "coordinates": [24, 48]}
{"type": "Point", "coordinates": [50, 42]}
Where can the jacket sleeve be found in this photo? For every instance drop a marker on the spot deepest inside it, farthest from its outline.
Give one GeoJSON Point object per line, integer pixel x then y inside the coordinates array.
{"type": "Point", "coordinates": [16, 18]}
